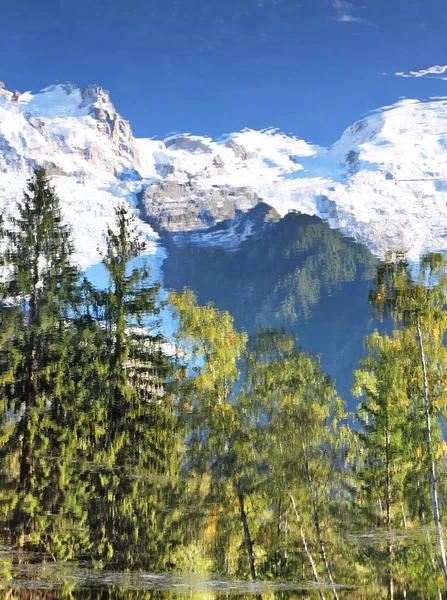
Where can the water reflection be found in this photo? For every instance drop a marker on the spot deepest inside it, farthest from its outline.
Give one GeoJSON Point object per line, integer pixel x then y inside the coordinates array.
{"type": "Point", "coordinates": [60, 581]}
{"type": "Point", "coordinates": [117, 458]}
{"type": "Point", "coordinates": [295, 272]}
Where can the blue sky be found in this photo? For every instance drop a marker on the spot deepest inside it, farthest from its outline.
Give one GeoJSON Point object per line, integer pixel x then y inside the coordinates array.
{"type": "Point", "coordinates": [309, 67]}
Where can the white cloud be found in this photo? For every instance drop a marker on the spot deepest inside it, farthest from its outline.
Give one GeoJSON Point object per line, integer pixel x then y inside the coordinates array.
{"type": "Point", "coordinates": [343, 12]}
{"type": "Point", "coordinates": [341, 5]}
{"type": "Point", "coordinates": [434, 70]}
{"type": "Point", "coordinates": [349, 19]}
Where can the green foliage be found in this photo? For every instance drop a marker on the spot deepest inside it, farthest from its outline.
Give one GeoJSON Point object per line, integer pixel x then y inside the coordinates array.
{"type": "Point", "coordinates": [88, 436]}
{"type": "Point", "coordinates": [386, 414]}
{"type": "Point", "coordinates": [39, 299]}
{"type": "Point", "coordinates": [135, 449]}
{"type": "Point", "coordinates": [303, 441]}
{"type": "Point", "coordinates": [402, 383]}
{"type": "Point", "coordinates": [239, 458]}
{"type": "Point", "coordinates": [213, 421]}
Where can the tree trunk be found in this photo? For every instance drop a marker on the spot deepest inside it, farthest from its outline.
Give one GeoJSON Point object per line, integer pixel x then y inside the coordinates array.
{"type": "Point", "coordinates": [390, 588]}
{"type": "Point", "coordinates": [323, 554]}
{"type": "Point", "coordinates": [318, 529]}
{"type": "Point", "coordinates": [304, 541]}
{"type": "Point", "coordinates": [248, 541]}
{"type": "Point", "coordinates": [30, 385]}
{"type": "Point", "coordinates": [432, 466]}
{"type": "Point", "coordinates": [388, 480]}
{"type": "Point", "coordinates": [388, 507]}
{"type": "Point", "coordinates": [404, 516]}
{"type": "Point", "coordinates": [20, 518]}
{"type": "Point", "coordinates": [25, 458]}
{"type": "Point", "coordinates": [277, 554]}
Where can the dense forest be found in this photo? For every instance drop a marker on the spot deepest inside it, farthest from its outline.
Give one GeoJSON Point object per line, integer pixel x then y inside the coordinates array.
{"type": "Point", "coordinates": [222, 453]}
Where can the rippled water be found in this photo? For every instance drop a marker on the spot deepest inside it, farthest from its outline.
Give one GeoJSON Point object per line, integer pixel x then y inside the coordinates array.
{"type": "Point", "coordinates": [297, 273]}
{"type": "Point", "coordinates": [37, 579]}
{"type": "Point", "coordinates": [128, 490]}
{"type": "Point", "coordinates": [60, 576]}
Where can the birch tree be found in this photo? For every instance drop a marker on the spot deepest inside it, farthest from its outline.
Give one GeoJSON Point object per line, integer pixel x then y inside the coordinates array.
{"type": "Point", "coordinates": [302, 412]}
{"type": "Point", "coordinates": [418, 307]}
{"type": "Point", "coordinates": [219, 444]}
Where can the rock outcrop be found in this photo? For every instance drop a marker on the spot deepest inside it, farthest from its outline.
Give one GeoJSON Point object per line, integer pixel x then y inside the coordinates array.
{"type": "Point", "coordinates": [174, 207]}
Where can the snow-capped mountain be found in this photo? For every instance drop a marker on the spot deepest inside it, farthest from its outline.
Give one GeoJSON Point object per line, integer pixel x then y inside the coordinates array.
{"type": "Point", "coordinates": [383, 183]}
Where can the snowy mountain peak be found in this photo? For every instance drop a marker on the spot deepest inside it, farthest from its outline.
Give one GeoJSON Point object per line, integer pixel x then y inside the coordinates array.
{"type": "Point", "coordinates": [7, 96]}
{"type": "Point", "coordinates": [60, 101]}
{"type": "Point", "coordinates": [384, 182]}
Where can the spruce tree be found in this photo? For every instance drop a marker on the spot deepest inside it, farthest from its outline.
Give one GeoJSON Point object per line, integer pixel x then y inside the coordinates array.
{"type": "Point", "coordinates": [38, 300]}
{"type": "Point", "coordinates": [136, 448]}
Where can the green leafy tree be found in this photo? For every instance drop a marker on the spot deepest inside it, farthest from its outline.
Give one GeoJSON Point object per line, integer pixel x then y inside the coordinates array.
{"type": "Point", "coordinates": [418, 307]}
{"type": "Point", "coordinates": [388, 436]}
{"type": "Point", "coordinates": [218, 442]}
{"type": "Point", "coordinates": [303, 436]}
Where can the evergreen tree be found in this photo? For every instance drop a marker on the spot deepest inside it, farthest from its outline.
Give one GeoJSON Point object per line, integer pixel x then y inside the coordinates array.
{"type": "Point", "coordinates": [135, 450]}
{"type": "Point", "coordinates": [38, 299]}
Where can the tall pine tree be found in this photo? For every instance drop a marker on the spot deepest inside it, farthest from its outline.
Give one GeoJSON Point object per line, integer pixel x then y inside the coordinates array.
{"type": "Point", "coordinates": [38, 303]}
{"type": "Point", "coordinates": [135, 451]}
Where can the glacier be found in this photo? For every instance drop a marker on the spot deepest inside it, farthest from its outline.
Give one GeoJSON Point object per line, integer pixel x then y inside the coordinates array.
{"type": "Point", "coordinates": [383, 183]}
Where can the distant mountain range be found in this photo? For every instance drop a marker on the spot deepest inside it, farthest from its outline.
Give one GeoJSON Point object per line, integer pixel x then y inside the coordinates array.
{"type": "Point", "coordinates": [383, 183]}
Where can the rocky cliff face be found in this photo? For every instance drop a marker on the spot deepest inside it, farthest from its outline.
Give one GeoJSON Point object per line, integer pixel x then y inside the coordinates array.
{"type": "Point", "coordinates": [175, 207]}
{"type": "Point", "coordinates": [383, 183]}
{"type": "Point", "coordinates": [108, 121]}
{"type": "Point", "coordinates": [59, 113]}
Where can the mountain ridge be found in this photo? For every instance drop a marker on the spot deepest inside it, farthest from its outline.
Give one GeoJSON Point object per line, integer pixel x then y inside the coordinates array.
{"type": "Point", "coordinates": [384, 182]}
